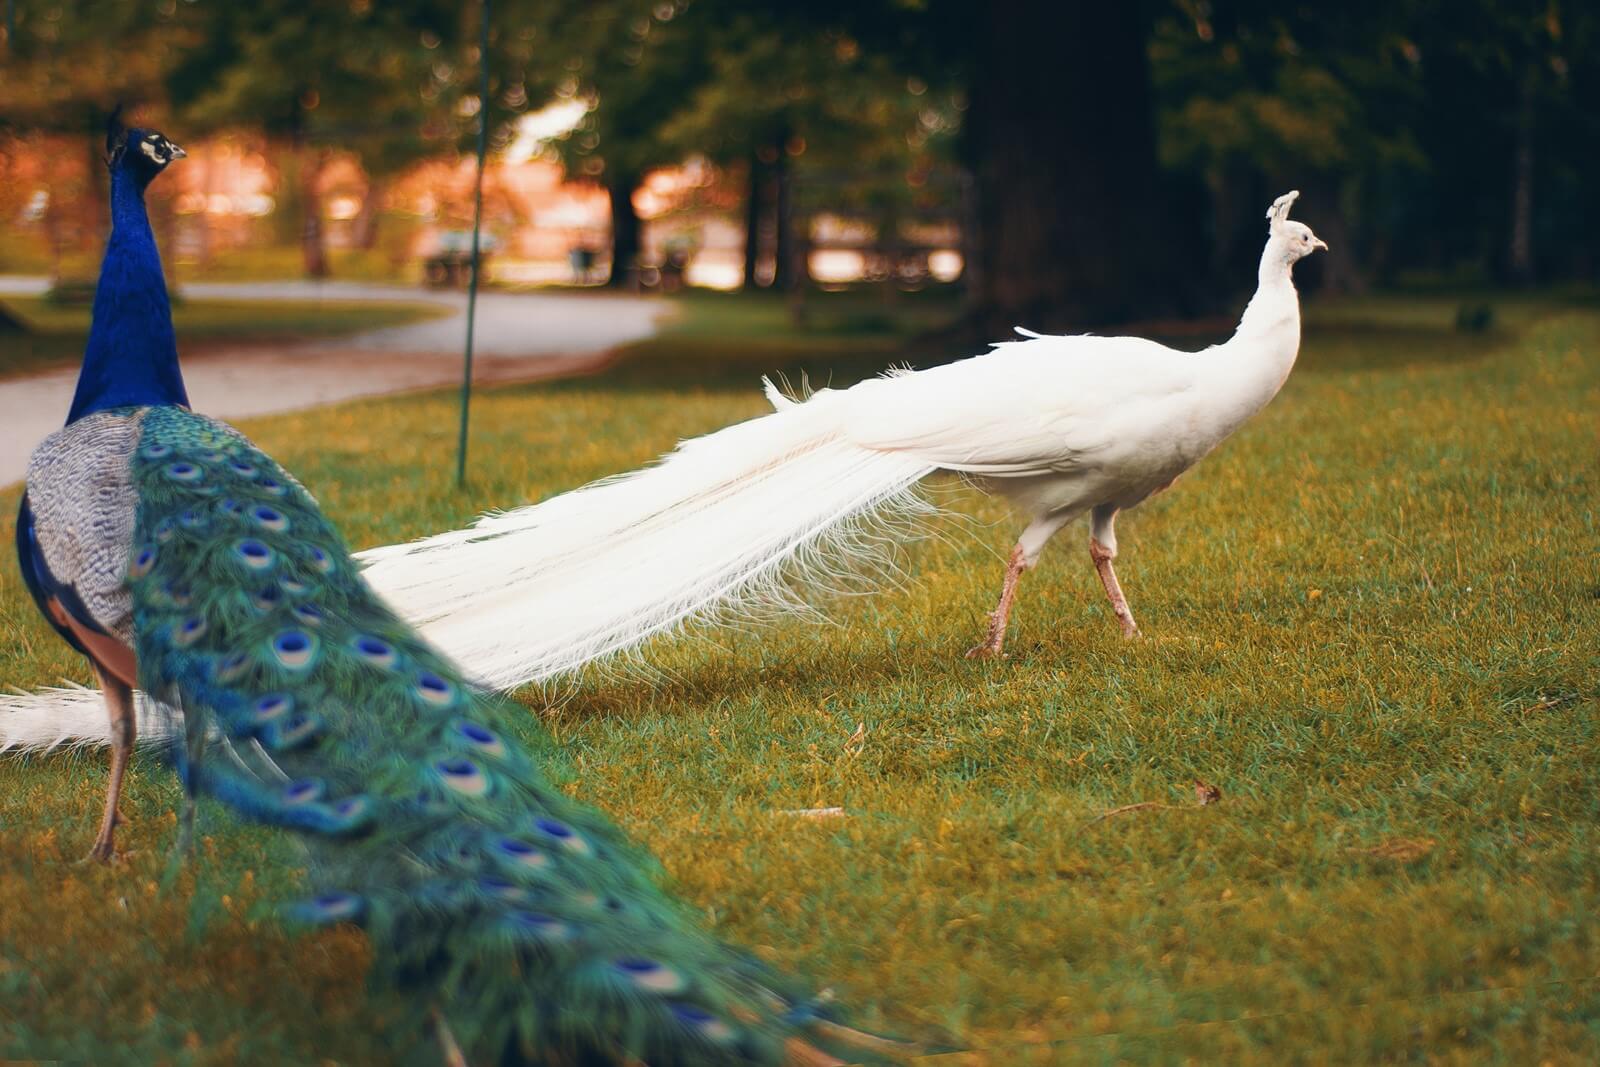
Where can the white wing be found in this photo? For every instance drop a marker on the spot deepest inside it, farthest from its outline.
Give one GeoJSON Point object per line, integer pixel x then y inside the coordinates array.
{"type": "Point", "coordinates": [1046, 404]}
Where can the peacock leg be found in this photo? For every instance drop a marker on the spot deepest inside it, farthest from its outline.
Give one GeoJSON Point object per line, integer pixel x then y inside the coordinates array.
{"type": "Point", "coordinates": [194, 749]}
{"type": "Point", "coordinates": [448, 1047]}
{"type": "Point", "coordinates": [124, 730]}
{"type": "Point", "coordinates": [1000, 617]}
{"type": "Point", "coordinates": [1103, 549]}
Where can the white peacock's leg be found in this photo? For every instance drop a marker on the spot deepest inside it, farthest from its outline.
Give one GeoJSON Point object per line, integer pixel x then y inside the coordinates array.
{"type": "Point", "coordinates": [1001, 615]}
{"type": "Point", "coordinates": [124, 730]}
{"type": "Point", "coordinates": [1023, 558]}
{"type": "Point", "coordinates": [1103, 549]}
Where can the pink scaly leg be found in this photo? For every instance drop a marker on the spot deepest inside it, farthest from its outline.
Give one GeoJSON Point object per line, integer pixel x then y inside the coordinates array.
{"type": "Point", "coordinates": [1001, 615]}
{"type": "Point", "coordinates": [1103, 549]}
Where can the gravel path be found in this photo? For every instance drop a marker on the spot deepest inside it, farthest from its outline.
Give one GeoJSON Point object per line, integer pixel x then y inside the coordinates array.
{"type": "Point", "coordinates": [519, 336]}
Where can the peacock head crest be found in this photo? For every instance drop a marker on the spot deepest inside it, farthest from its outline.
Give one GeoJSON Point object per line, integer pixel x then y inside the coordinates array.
{"type": "Point", "coordinates": [139, 152]}
{"type": "Point", "coordinates": [1296, 238]}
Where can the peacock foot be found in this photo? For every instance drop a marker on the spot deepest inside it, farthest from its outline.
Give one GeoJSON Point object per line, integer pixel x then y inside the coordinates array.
{"type": "Point", "coordinates": [104, 851]}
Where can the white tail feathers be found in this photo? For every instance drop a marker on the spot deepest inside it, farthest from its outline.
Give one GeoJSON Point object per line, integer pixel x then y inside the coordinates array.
{"type": "Point", "coordinates": [721, 524]}
{"type": "Point", "coordinates": [726, 525]}
{"type": "Point", "coordinates": [70, 716]}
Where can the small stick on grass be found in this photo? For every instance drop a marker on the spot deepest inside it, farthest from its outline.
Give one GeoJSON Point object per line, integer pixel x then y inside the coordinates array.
{"type": "Point", "coordinates": [1103, 816]}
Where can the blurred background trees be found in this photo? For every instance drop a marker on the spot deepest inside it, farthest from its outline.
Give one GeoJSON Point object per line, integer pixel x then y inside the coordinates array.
{"type": "Point", "coordinates": [1077, 163]}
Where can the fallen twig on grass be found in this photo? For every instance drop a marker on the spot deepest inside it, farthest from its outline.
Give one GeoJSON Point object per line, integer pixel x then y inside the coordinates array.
{"type": "Point", "coordinates": [1103, 816]}
{"type": "Point", "coordinates": [1204, 794]}
{"type": "Point", "coordinates": [1397, 850]}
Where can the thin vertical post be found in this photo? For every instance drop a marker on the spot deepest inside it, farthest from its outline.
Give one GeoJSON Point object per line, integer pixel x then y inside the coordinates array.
{"type": "Point", "coordinates": [477, 226]}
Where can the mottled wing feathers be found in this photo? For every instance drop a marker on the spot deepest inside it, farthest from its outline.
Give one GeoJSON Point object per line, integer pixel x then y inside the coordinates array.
{"type": "Point", "coordinates": [522, 915]}
{"type": "Point", "coordinates": [80, 507]}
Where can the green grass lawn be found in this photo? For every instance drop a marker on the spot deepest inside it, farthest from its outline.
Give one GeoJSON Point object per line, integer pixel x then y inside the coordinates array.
{"type": "Point", "coordinates": [1372, 621]}
{"type": "Point", "coordinates": [58, 332]}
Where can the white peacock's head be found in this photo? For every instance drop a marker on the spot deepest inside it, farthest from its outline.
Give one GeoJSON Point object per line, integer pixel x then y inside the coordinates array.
{"type": "Point", "coordinates": [1300, 241]}
{"type": "Point", "coordinates": [1294, 238]}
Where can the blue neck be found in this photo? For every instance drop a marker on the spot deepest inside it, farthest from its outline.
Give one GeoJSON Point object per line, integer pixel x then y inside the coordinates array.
{"type": "Point", "coordinates": [132, 355]}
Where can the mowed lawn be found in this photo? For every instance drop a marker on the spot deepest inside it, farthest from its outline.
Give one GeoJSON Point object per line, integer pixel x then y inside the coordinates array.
{"type": "Point", "coordinates": [1372, 621]}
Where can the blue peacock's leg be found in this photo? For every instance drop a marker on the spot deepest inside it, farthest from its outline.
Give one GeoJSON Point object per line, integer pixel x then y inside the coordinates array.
{"type": "Point", "coordinates": [192, 752]}
{"type": "Point", "coordinates": [124, 728]}
{"type": "Point", "coordinates": [449, 1048]}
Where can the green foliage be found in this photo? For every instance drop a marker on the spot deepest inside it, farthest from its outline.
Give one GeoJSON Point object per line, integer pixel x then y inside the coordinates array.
{"type": "Point", "coordinates": [1263, 97]}
{"type": "Point", "coordinates": [1370, 622]}
{"type": "Point", "coordinates": [72, 61]}
{"type": "Point", "coordinates": [379, 78]}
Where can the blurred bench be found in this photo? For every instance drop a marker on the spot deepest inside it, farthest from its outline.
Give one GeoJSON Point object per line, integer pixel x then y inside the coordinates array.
{"type": "Point", "coordinates": [450, 265]}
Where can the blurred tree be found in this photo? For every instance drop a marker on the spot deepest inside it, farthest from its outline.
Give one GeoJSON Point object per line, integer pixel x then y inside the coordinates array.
{"type": "Point", "coordinates": [1260, 98]}
{"type": "Point", "coordinates": [1512, 129]}
{"type": "Point", "coordinates": [70, 63]}
{"type": "Point", "coordinates": [379, 79]}
{"type": "Point", "coordinates": [775, 91]}
{"type": "Point", "coordinates": [633, 63]}
{"type": "Point", "coordinates": [1076, 224]}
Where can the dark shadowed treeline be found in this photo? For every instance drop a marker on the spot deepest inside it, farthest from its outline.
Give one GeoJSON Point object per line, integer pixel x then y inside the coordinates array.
{"type": "Point", "coordinates": [1119, 155]}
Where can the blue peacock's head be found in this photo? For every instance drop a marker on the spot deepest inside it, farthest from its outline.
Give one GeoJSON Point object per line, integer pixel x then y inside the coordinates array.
{"type": "Point", "coordinates": [138, 152]}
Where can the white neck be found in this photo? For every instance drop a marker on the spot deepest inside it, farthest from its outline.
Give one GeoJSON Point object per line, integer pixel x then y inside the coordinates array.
{"type": "Point", "coordinates": [1253, 364]}
{"type": "Point", "coordinates": [1274, 310]}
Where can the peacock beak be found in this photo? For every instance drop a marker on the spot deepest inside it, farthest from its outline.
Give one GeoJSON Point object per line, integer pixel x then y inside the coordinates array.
{"type": "Point", "coordinates": [1317, 242]}
{"type": "Point", "coordinates": [177, 153]}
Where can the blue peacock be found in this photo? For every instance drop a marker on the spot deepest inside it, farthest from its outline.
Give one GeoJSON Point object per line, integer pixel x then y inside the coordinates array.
{"type": "Point", "coordinates": [179, 558]}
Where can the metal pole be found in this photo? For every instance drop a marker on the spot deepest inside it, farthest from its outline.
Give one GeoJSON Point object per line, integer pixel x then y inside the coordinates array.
{"type": "Point", "coordinates": [477, 225]}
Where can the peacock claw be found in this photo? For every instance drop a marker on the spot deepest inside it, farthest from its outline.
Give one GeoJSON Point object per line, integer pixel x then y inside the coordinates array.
{"type": "Point", "coordinates": [987, 651]}
{"type": "Point", "coordinates": [104, 852]}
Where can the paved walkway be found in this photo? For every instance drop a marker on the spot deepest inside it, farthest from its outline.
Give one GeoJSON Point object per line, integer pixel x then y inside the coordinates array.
{"type": "Point", "coordinates": [519, 336]}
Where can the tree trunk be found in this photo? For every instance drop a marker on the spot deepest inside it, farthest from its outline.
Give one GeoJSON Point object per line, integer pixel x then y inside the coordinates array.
{"type": "Point", "coordinates": [52, 230]}
{"type": "Point", "coordinates": [313, 246]}
{"type": "Point", "coordinates": [1061, 137]}
{"type": "Point", "coordinates": [366, 222]}
{"type": "Point", "coordinates": [202, 219]}
{"type": "Point", "coordinates": [287, 214]}
{"type": "Point", "coordinates": [1519, 258]}
{"type": "Point", "coordinates": [1337, 270]}
{"type": "Point", "coordinates": [625, 229]}
{"type": "Point", "coordinates": [753, 201]}
{"type": "Point", "coordinates": [794, 247]}
{"type": "Point", "coordinates": [97, 185]}
{"type": "Point", "coordinates": [787, 273]}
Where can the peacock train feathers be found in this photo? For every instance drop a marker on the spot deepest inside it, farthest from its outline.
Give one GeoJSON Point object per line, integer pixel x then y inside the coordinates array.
{"type": "Point", "coordinates": [525, 917]}
{"type": "Point", "coordinates": [174, 554]}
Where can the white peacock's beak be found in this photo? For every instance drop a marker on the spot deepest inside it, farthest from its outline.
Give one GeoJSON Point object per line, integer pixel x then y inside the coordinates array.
{"type": "Point", "coordinates": [1317, 242]}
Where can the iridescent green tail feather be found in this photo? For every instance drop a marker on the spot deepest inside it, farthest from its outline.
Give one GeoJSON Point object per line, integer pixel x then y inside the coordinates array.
{"type": "Point", "coordinates": [520, 915]}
